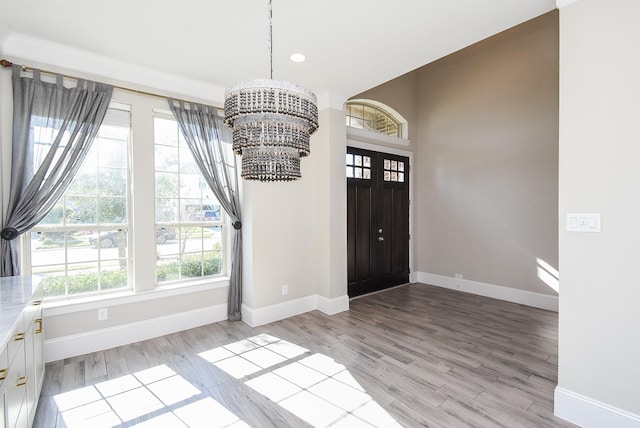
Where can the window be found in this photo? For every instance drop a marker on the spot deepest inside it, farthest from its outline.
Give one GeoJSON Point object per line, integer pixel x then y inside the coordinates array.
{"type": "Point", "coordinates": [188, 217]}
{"type": "Point", "coordinates": [372, 118]}
{"type": "Point", "coordinates": [139, 173]}
{"type": "Point", "coordinates": [358, 166]}
{"type": "Point", "coordinates": [393, 170]}
{"type": "Point", "coordinates": [81, 245]}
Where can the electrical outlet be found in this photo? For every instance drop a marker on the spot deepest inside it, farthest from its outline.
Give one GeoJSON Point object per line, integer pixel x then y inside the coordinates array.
{"type": "Point", "coordinates": [103, 314]}
{"type": "Point", "coordinates": [285, 290]}
{"type": "Point", "coordinates": [458, 276]}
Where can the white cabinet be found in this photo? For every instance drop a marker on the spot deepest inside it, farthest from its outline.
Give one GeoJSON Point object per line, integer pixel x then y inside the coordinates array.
{"type": "Point", "coordinates": [21, 356]}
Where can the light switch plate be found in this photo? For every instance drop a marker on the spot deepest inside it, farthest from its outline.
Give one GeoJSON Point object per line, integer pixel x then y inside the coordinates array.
{"type": "Point", "coordinates": [583, 222]}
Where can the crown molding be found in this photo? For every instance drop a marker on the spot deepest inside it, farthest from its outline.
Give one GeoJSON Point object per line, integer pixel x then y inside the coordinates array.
{"type": "Point", "coordinates": [55, 57]}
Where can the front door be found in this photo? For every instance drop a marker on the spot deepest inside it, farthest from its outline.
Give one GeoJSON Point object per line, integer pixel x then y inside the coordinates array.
{"type": "Point", "coordinates": [377, 220]}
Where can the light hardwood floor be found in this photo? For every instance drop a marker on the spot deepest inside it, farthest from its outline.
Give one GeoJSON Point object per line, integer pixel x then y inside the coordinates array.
{"type": "Point", "coordinates": [412, 356]}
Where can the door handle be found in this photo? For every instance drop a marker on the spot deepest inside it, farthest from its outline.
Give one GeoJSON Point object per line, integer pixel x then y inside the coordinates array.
{"type": "Point", "coordinates": [380, 238]}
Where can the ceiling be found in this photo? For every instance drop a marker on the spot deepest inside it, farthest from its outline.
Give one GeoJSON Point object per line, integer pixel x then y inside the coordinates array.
{"type": "Point", "coordinates": [350, 45]}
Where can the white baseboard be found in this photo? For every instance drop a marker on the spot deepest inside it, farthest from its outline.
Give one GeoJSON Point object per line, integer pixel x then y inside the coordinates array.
{"type": "Point", "coordinates": [413, 277]}
{"type": "Point", "coordinates": [261, 316]}
{"type": "Point", "coordinates": [333, 306]}
{"type": "Point", "coordinates": [98, 340]}
{"type": "Point", "coordinates": [529, 298]}
{"type": "Point", "coordinates": [589, 413]}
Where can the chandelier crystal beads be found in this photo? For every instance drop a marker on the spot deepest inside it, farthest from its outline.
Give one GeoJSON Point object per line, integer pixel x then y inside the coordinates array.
{"type": "Point", "coordinates": [272, 122]}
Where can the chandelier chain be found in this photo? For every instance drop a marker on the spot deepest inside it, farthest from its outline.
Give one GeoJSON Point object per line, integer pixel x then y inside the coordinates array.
{"type": "Point", "coordinates": [271, 39]}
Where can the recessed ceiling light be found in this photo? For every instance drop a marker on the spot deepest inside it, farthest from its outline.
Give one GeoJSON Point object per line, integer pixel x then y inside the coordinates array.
{"type": "Point", "coordinates": [298, 57]}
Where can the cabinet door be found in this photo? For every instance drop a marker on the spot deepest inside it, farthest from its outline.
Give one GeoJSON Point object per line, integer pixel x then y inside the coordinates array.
{"type": "Point", "coordinates": [15, 384]}
{"type": "Point", "coordinates": [38, 351]}
{"type": "Point", "coordinates": [34, 361]}
{"type": "Point", "coordinates": [29, 371]}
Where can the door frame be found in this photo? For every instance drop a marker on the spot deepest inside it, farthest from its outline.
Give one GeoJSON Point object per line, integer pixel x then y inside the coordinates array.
{"type": "Point", "coordinates": [354, 141]}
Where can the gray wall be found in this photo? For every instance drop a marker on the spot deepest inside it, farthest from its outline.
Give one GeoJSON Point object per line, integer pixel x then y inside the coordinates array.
{"type": "Point", "coordinates": [484, 122]}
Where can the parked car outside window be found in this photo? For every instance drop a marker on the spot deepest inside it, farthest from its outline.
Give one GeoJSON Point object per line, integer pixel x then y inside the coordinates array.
{"type": "Point", "coordinates": [110, 239]}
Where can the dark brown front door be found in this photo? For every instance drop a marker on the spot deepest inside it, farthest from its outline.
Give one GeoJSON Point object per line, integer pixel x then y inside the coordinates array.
{"type": "Point", "coordinates": [377, 220]}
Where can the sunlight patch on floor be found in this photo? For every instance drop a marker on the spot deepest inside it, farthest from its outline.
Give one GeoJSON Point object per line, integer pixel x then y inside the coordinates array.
{"type": "Point", "coordinates": [315, 388]}
{"type": "Point", "coordinates": [158, 390]}
{"type": "Point", "coordinates": [311, 386]}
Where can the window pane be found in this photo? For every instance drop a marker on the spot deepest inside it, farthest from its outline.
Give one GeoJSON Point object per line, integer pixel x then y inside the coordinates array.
{"type": "Point", "coordinates": [187, 164]}
{"type": "Point", "coordinates": [113, 276]}
{"type": "Point", "coordinates": [112, 210]}
{"type": "Point", "coordinates": [74, 248]}
{"type": "Point", "coordinates": [165, 132]}
{"type": "Point", "coordinates": [191, 209]}
{"type": "Point", "coordinates": [112, 182]}
{"type": "Point", "coordinates": [111, 152]}
{"type": "Point", "coordinates": [166, 158]}
{"type": "Point", "coordinates": [81, 209]}
{"type": "Point", "coordinates": [372, 118]}
{"type": "Point", "coordinates": [167, 185]}
{"type": "Point", "coordinates": [189, 218]}
{"type": "Point", "coordinates": [55, 216]}
{"type": "Point", "coordinates": [349, 172]}
{"type": "Point", "coordinates": [167, 210]}
{"type": "Point", "coordinates": [53, 280]}
{"type": "Point", "coordinates": [349, 159]}
{"type": "Point", "coordinates": [82, 278]}
{"type": "Point", "coordinates": [85, 182]}
{"type": "Point", "coordinates": [194, 252]}
{"type": "Point", "coordinates": [356, 123]}
{"type": "Point", "coordinates": [193, 186]}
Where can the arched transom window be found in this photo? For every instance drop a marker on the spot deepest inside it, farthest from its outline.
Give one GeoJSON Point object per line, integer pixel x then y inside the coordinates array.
{"type": "Point", "coordinates": [370, 117]}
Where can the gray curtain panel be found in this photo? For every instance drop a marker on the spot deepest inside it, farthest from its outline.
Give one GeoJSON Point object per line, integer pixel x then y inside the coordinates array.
{"type": "Point", "coordinates": [208, 139]}
{"type": "Point", "coordinates": [38, 182]}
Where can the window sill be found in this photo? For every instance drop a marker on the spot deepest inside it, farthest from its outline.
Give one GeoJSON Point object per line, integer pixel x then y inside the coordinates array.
{"type": "Point", "coordinates": [67, 306]}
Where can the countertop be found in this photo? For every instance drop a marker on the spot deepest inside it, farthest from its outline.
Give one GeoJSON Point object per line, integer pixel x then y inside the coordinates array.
{"type": "Point", "coordinates": [15, 293]}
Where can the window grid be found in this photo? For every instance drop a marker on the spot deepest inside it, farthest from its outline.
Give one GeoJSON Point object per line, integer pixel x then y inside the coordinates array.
{"type": "Point", "coordinates": [358, 166]}
{"type": "Point", "coordinates": [393, 170]}
{"type": "Point", "coordinates": [68, 248]}
{"type": "Point", "coordinates": [188, 217]}
{"type": "Point", "coordinates": [372, 118]}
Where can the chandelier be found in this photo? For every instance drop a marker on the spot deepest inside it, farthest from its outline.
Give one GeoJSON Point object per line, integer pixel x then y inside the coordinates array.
{"type": "Point", "coordinates": [271, 122]}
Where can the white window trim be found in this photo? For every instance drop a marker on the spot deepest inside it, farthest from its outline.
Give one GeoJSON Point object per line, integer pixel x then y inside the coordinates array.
{"type": "Point", "coordinates": [375, 137]}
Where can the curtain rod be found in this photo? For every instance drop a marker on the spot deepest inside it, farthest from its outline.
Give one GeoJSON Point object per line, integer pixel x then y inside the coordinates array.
{"type": "Point", "coordinates": [7, 64]}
